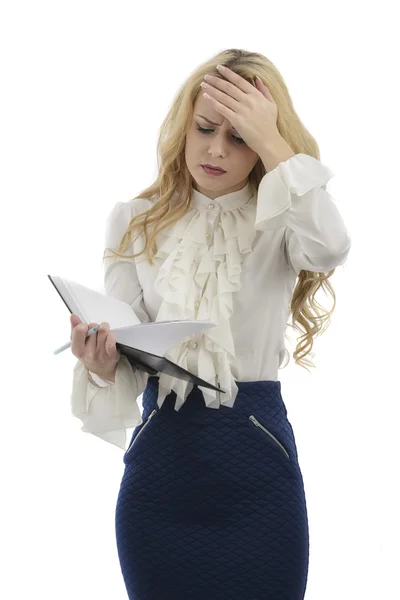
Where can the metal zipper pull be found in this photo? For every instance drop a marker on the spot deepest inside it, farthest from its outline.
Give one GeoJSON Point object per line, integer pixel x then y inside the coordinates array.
{"type": "Point", "coordinates": [147, 422]}
{"type": "Point", "coordinates": [254, 420]}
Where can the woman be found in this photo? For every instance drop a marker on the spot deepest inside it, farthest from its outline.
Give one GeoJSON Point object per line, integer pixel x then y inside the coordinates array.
{"type": "Point", "coordinates": [212, 503]}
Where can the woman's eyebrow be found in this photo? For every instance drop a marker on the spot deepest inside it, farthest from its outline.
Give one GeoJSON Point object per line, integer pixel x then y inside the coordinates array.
{"type": "Point", "coordinates": [212, 122]}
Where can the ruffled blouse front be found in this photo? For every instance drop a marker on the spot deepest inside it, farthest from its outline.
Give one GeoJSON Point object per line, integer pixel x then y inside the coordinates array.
{"type": "Point", "coordinates": [206, 268]}
{"type": "Point", "coordinates": [291, 224]}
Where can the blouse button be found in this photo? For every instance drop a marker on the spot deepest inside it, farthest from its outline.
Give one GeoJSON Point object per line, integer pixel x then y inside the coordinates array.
{"type": "Point", "coordinates": [207, 234]}
{"type": "Point", "coordinates": [197, 304]}
{"type": "Point", "coordinates": [211, 205]}
{"type": "Point", "coordinates": [193, 345]}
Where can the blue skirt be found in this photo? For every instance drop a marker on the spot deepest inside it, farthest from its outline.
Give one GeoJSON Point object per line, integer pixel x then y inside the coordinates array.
{"type": "Point", "coordinates": [212, 503]}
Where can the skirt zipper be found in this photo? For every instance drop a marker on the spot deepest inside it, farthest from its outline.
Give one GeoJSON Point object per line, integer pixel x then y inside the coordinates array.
{"type": "Point", "coordinates": [254, 420]}
{"type": "Point", "coordinates": [148, 420]}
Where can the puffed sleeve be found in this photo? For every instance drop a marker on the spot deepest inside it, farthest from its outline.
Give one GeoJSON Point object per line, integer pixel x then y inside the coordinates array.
{"type": "Point", "coordinates": [108, 409]}
{"type": "Point", "coordinates": [294, 196]}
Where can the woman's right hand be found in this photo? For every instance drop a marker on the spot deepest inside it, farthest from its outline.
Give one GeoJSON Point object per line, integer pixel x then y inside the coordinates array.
{"type": "Point", "coordinates": [98, 352]}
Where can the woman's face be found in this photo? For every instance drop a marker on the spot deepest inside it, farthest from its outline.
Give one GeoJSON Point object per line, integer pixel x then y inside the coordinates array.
{"type": "Point", "coordinates": [220, 146]}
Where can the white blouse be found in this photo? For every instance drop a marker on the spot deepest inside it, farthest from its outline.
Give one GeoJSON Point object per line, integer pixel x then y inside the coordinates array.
{"type": "Point", "coordinates": [233, 260]}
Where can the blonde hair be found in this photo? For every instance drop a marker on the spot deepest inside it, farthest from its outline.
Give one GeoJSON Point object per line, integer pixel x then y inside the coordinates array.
{"type": "Point", "coordinates": [171, 191]}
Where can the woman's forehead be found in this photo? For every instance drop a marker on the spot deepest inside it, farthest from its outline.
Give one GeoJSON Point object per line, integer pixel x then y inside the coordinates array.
{"type": "Point", "coordinates": [203, 109]}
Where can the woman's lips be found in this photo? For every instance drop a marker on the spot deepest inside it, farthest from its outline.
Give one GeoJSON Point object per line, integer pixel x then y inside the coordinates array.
{"type": "Point", "coordinates": [212, 171]}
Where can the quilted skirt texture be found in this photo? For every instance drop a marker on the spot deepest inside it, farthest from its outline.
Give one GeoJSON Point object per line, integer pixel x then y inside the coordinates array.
{"type": "Point", "coordinates": [212, 503]}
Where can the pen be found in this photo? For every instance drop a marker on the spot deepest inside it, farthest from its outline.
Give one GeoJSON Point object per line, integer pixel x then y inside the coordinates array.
{"type": "Point", "coordinates": [68, 345]}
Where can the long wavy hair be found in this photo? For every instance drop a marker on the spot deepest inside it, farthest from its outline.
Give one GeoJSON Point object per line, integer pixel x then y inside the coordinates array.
{"type": "Point", "coordinates": [171, 191]}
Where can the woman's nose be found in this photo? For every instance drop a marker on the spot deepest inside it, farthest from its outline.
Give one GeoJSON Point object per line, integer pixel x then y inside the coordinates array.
{"type": "Point", "coordinates": [218, 144]}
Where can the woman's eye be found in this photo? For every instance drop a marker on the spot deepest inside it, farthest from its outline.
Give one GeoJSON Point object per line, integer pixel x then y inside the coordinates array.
{"type": "Point", "coordinates": [238, 139]}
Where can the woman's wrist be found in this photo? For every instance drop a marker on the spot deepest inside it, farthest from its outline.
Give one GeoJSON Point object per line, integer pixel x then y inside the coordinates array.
{"type": "Point", "coordinates": [107, 376]}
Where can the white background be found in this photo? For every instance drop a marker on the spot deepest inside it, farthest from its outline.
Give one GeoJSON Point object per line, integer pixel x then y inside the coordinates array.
{"type": "Point", "coordinates": [85, 87]}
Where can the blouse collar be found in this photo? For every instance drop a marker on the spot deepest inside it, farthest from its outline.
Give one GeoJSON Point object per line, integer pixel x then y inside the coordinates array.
{"type": "Point", "coordinates": [225, 202]}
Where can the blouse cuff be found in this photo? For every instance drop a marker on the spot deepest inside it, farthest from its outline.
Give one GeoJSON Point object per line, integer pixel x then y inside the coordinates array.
{"type": "Point", "coordinates": [298, 175]}
{"type": "Point", "coordinates": [107, 412]}
{"type": "Point", "coordinates": [99, 381]}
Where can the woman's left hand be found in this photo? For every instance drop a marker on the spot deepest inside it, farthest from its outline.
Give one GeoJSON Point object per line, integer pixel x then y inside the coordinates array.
{"type": "Point", "coordinates": [251, 110]}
